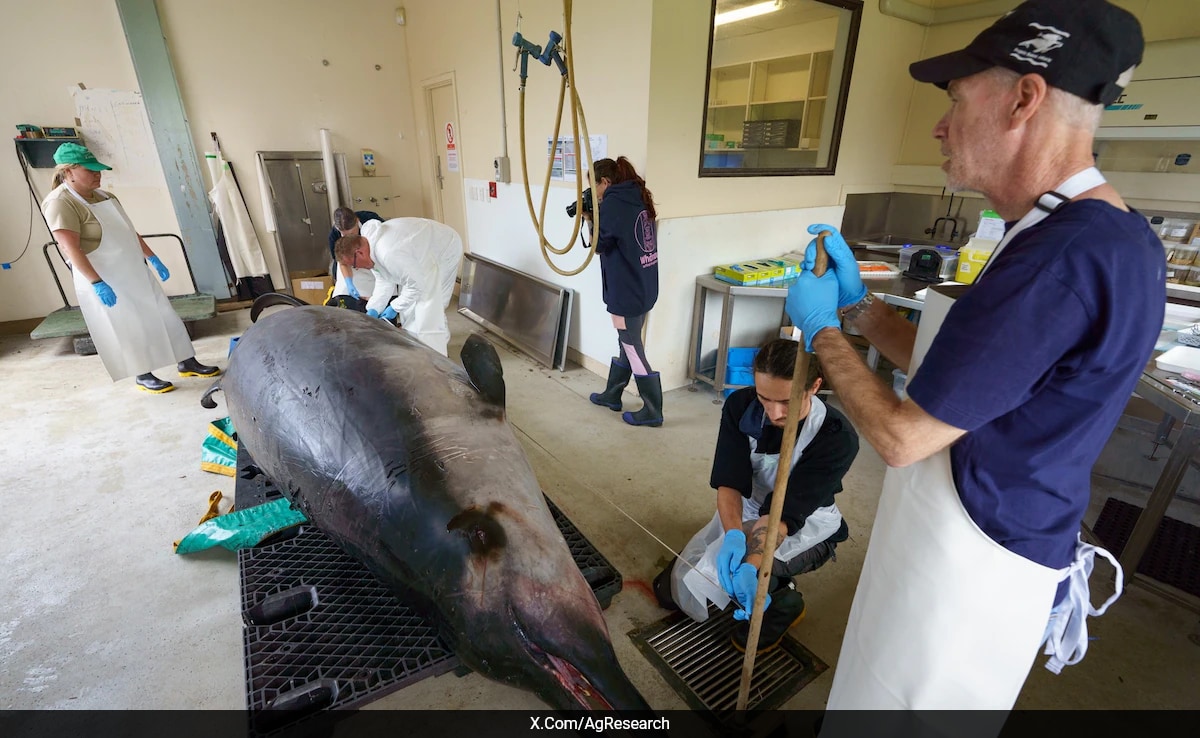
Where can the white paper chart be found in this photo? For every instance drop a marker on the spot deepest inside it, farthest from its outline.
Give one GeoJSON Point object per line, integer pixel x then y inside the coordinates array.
{"type": "Point", "coordinates": [565, 158]}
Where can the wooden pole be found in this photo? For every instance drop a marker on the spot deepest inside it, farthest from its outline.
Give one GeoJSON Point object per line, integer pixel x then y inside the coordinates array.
{"type": "Point", "coordinates": [786, 448]}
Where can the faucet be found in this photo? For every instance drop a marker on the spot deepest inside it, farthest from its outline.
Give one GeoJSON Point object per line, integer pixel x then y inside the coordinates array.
{"type": "Point", "coordinates": [956, 222]}
{"type": "Point", "coordinates": [944, 219]}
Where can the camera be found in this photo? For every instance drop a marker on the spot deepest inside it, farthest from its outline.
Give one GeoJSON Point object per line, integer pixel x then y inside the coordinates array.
{"type": "Point", "coordinates": [587, 204]}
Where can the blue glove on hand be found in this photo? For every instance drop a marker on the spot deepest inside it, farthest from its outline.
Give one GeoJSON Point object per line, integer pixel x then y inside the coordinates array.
{"type": "Point", "coordinates": [745, 585]}
{"type": "Point", "coordinates": [812, 304]}
{"type": "Point", "coordinates": [371, 313]}
{"type": "Point", "coordinates": [105, 293]}
{"type": "Point", "coordinates": [352, 290]}
{"type": "Point", "coordinates": [729, 558]}
{"type": "Point", "coordinates": [841, 262]}
{"type": "Point", "coordinates": [159, 267]}
{"type": "Point", "coordinates": [389, 313]}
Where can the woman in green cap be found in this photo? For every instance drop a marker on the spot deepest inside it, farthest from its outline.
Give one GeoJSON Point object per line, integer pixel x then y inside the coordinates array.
{"type": "Point", "coordinates": [132, 323]}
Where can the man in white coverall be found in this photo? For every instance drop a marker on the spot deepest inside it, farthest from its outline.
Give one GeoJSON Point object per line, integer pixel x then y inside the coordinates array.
{"type": "Point", "coordinates": [416, 256]}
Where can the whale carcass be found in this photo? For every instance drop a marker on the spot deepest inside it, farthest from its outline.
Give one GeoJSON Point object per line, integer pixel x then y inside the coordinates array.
{"type": "Point", "coordinates": [407, 461]}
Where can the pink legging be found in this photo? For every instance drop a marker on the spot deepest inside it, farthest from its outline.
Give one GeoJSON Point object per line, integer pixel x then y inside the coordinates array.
{"type": "Point", "coordinates": [629, 342]}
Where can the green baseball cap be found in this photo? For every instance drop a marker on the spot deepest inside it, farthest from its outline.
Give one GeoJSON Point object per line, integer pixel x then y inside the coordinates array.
{"type": "Point", "coordinates": [73, 153]}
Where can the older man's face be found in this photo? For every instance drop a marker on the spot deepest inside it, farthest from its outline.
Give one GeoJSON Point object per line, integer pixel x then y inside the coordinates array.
{"type": "Point", "coordinates": [973, 133]}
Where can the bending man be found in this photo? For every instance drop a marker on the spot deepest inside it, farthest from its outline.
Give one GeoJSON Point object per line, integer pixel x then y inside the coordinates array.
{"type": "Point", "coordinates": [416, 256]}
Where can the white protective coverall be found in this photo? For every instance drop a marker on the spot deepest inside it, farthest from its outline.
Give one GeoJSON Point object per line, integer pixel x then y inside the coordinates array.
{"type": "Point", "coordinates": [420, 258]}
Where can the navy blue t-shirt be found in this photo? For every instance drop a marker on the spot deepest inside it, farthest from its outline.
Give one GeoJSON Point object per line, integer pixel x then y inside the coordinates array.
{"type": "Point", "coordinates": [628, 249]}
{"type": "Point", "coordinates": [1037, 361]}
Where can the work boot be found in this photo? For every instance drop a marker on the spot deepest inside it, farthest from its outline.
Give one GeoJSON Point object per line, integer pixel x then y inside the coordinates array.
{"type": "Point", "coordinates": [662, 588]}
{"type": "Point", "coordinates": [786, 610]}
{"type": "Point", "coordinates": [650, 387]}
{"type": "Point", "coordinates": [149, 383]}
{"type": "Point", "coordinates": [191, 368]}
{"type": "Point", "coordinates": [618, 376]}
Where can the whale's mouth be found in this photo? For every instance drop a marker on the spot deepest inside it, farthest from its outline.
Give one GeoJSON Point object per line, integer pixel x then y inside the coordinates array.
{"type": "Point", "coordinates": [572, 681]}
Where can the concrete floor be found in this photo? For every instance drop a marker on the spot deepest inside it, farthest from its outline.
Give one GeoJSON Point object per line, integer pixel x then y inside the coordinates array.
{"type": "Point", "coordinates": [99, 479]}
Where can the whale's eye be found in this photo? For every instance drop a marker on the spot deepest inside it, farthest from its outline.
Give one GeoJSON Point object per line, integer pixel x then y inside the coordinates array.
{"type": "Point", "coordinates": [484, 534]}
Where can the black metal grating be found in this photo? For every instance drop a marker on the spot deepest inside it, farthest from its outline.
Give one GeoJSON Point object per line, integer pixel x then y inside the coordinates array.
{"type": "Point", "coordinates": [339, 639]}
{"type": "Point", "coordinates": [699, 661]}
{"type": "Point", "coordinates": [1173, 556]}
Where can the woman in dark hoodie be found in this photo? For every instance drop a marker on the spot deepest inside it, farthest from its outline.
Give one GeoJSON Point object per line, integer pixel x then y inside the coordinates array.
{"type": "Point", "coordinates": [628, 250]}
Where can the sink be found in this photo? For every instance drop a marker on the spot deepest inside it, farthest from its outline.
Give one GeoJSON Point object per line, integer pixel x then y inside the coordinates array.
{"type": "Point", "coordinates": [892, 242]}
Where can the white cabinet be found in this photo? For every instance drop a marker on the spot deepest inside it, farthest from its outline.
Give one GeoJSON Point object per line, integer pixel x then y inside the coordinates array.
{"type": "Point", "coordinates": [375, 194]}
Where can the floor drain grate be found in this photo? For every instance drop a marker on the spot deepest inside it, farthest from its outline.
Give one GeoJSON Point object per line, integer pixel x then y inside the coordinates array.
{"type": "Point", "coordinates": [700, 663]}
{"type": "Point", "coordinates": [320, 632]}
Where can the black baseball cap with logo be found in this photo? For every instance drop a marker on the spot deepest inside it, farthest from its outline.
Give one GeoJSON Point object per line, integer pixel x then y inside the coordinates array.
{"type": "Point", "coordinates": [1086, 47]}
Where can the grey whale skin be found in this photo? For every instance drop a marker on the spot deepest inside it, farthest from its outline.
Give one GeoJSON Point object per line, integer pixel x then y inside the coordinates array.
{"type": "Point", "coordinates": [407, 461]}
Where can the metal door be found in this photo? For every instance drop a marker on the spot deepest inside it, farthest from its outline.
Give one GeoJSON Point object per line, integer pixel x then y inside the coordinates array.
{"type": "Point", "coordinates": [301, 207]}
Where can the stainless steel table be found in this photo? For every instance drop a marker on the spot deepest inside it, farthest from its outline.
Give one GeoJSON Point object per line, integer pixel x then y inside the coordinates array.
{"type": "Point", "coordinates": [705, 284]}
{"type": "Point", "coordinates": [1177, 408]}
{"type": "Point", "coordinates": [897, 291]}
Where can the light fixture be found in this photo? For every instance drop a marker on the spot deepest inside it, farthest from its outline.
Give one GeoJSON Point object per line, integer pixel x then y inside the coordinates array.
{"type": "Point", "coordinates": [748, 11]}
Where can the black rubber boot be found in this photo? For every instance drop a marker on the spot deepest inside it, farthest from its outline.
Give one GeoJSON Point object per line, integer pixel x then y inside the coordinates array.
{"type": "Point", "coordinates": [786, 610]}
{"type": "Point", "coordinates": [662, 588]}
{"type": "Point", "coordinates": [191, 368]}
{"type": "Point", "coordinates": [650, 387]}
{"type": "Point", "coordinates": [618, 376]}
{"type": "Point", "coordinates": [149, 383]}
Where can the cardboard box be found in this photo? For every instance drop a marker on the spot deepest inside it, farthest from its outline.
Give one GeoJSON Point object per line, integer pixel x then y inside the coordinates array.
{"type": "Point", "coordinates": [312, 287]}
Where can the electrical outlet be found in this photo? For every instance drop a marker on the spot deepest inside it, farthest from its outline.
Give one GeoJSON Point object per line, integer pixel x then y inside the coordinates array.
{"type": "Point", "coordinates": [492, 189]}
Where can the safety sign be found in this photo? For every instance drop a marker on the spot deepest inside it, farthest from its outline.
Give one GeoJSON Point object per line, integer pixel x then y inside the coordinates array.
{"type": "Point", "coordinates": [451, 151]}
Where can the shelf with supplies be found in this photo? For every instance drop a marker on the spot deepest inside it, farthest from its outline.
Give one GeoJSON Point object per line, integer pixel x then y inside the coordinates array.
{"type": "Point", "coordinates": [749, 100]}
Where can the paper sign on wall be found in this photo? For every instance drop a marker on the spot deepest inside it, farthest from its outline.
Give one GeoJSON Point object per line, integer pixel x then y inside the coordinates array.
{"type": "Point", "coordinates": [451, 151]}
{"type": "Point", "coordinates": [116, 129]}
{"type": "Point", "coordinates": [565, 159]}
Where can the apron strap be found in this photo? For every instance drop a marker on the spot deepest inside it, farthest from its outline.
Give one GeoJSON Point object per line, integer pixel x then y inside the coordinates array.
{"type": "Point", "coordinates": [1067, 636]}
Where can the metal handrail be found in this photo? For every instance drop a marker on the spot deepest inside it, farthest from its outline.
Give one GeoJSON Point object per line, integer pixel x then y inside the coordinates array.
{"type": "Point", "coordinates": [58, 283]}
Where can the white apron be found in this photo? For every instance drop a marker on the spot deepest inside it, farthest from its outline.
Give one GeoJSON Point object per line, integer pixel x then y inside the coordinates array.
{"type": "Point", "coordinates": [142, 332]}
{"type": "Point", "coordinates": [364, 282]}
{"type": "Point", "coordinates": [694, 580]}
{"type": "Point", "coordinates": [945, 618]}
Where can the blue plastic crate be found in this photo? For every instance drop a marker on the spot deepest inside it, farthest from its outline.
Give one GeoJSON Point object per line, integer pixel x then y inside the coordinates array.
{"type": "Point", "coordinates": [739, 368]}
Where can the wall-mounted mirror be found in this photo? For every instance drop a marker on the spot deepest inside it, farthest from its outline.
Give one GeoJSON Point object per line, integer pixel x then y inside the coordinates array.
{"type": "Point", "coordinates": [778, 75]}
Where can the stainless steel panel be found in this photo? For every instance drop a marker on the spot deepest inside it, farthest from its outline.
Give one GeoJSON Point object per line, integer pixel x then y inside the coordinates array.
{"type": "Point", "coordinates": [530, 313]}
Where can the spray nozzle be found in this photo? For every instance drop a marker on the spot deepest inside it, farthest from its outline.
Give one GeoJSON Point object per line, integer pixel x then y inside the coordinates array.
{"type": "Point", "coordinates": [553, 53]}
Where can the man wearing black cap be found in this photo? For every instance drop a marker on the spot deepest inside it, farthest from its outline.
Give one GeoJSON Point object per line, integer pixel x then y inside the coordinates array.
{"type": "Point", "coordinates": [975, 560]}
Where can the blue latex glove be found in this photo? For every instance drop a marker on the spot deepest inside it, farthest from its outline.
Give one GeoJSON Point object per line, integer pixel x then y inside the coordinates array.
{"type": "Point", "coordinates": [812, 304]}
{"type": "Point", "coordinates": [352, 290]}
{"type": "Point", "coordinates": [745, 585]}
{"type": "Point", "coordinates": [159, 267]}
{"type": "Point", "coordinates": [372, 313]}
{"type": "Point", "coordinates": [729, 558]}
{"type": "Point", "coordinates": [841, 262]}
{"type": "Point", "coordinates": [105, 293]}
{"type": "Point", "coordinates": [389, 313]}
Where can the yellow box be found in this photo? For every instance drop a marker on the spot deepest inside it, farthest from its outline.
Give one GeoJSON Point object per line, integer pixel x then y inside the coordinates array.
{"type": "Point", "coordinates": [970, 263]}
{"type": "Point", "coordinates": [751, 272]}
